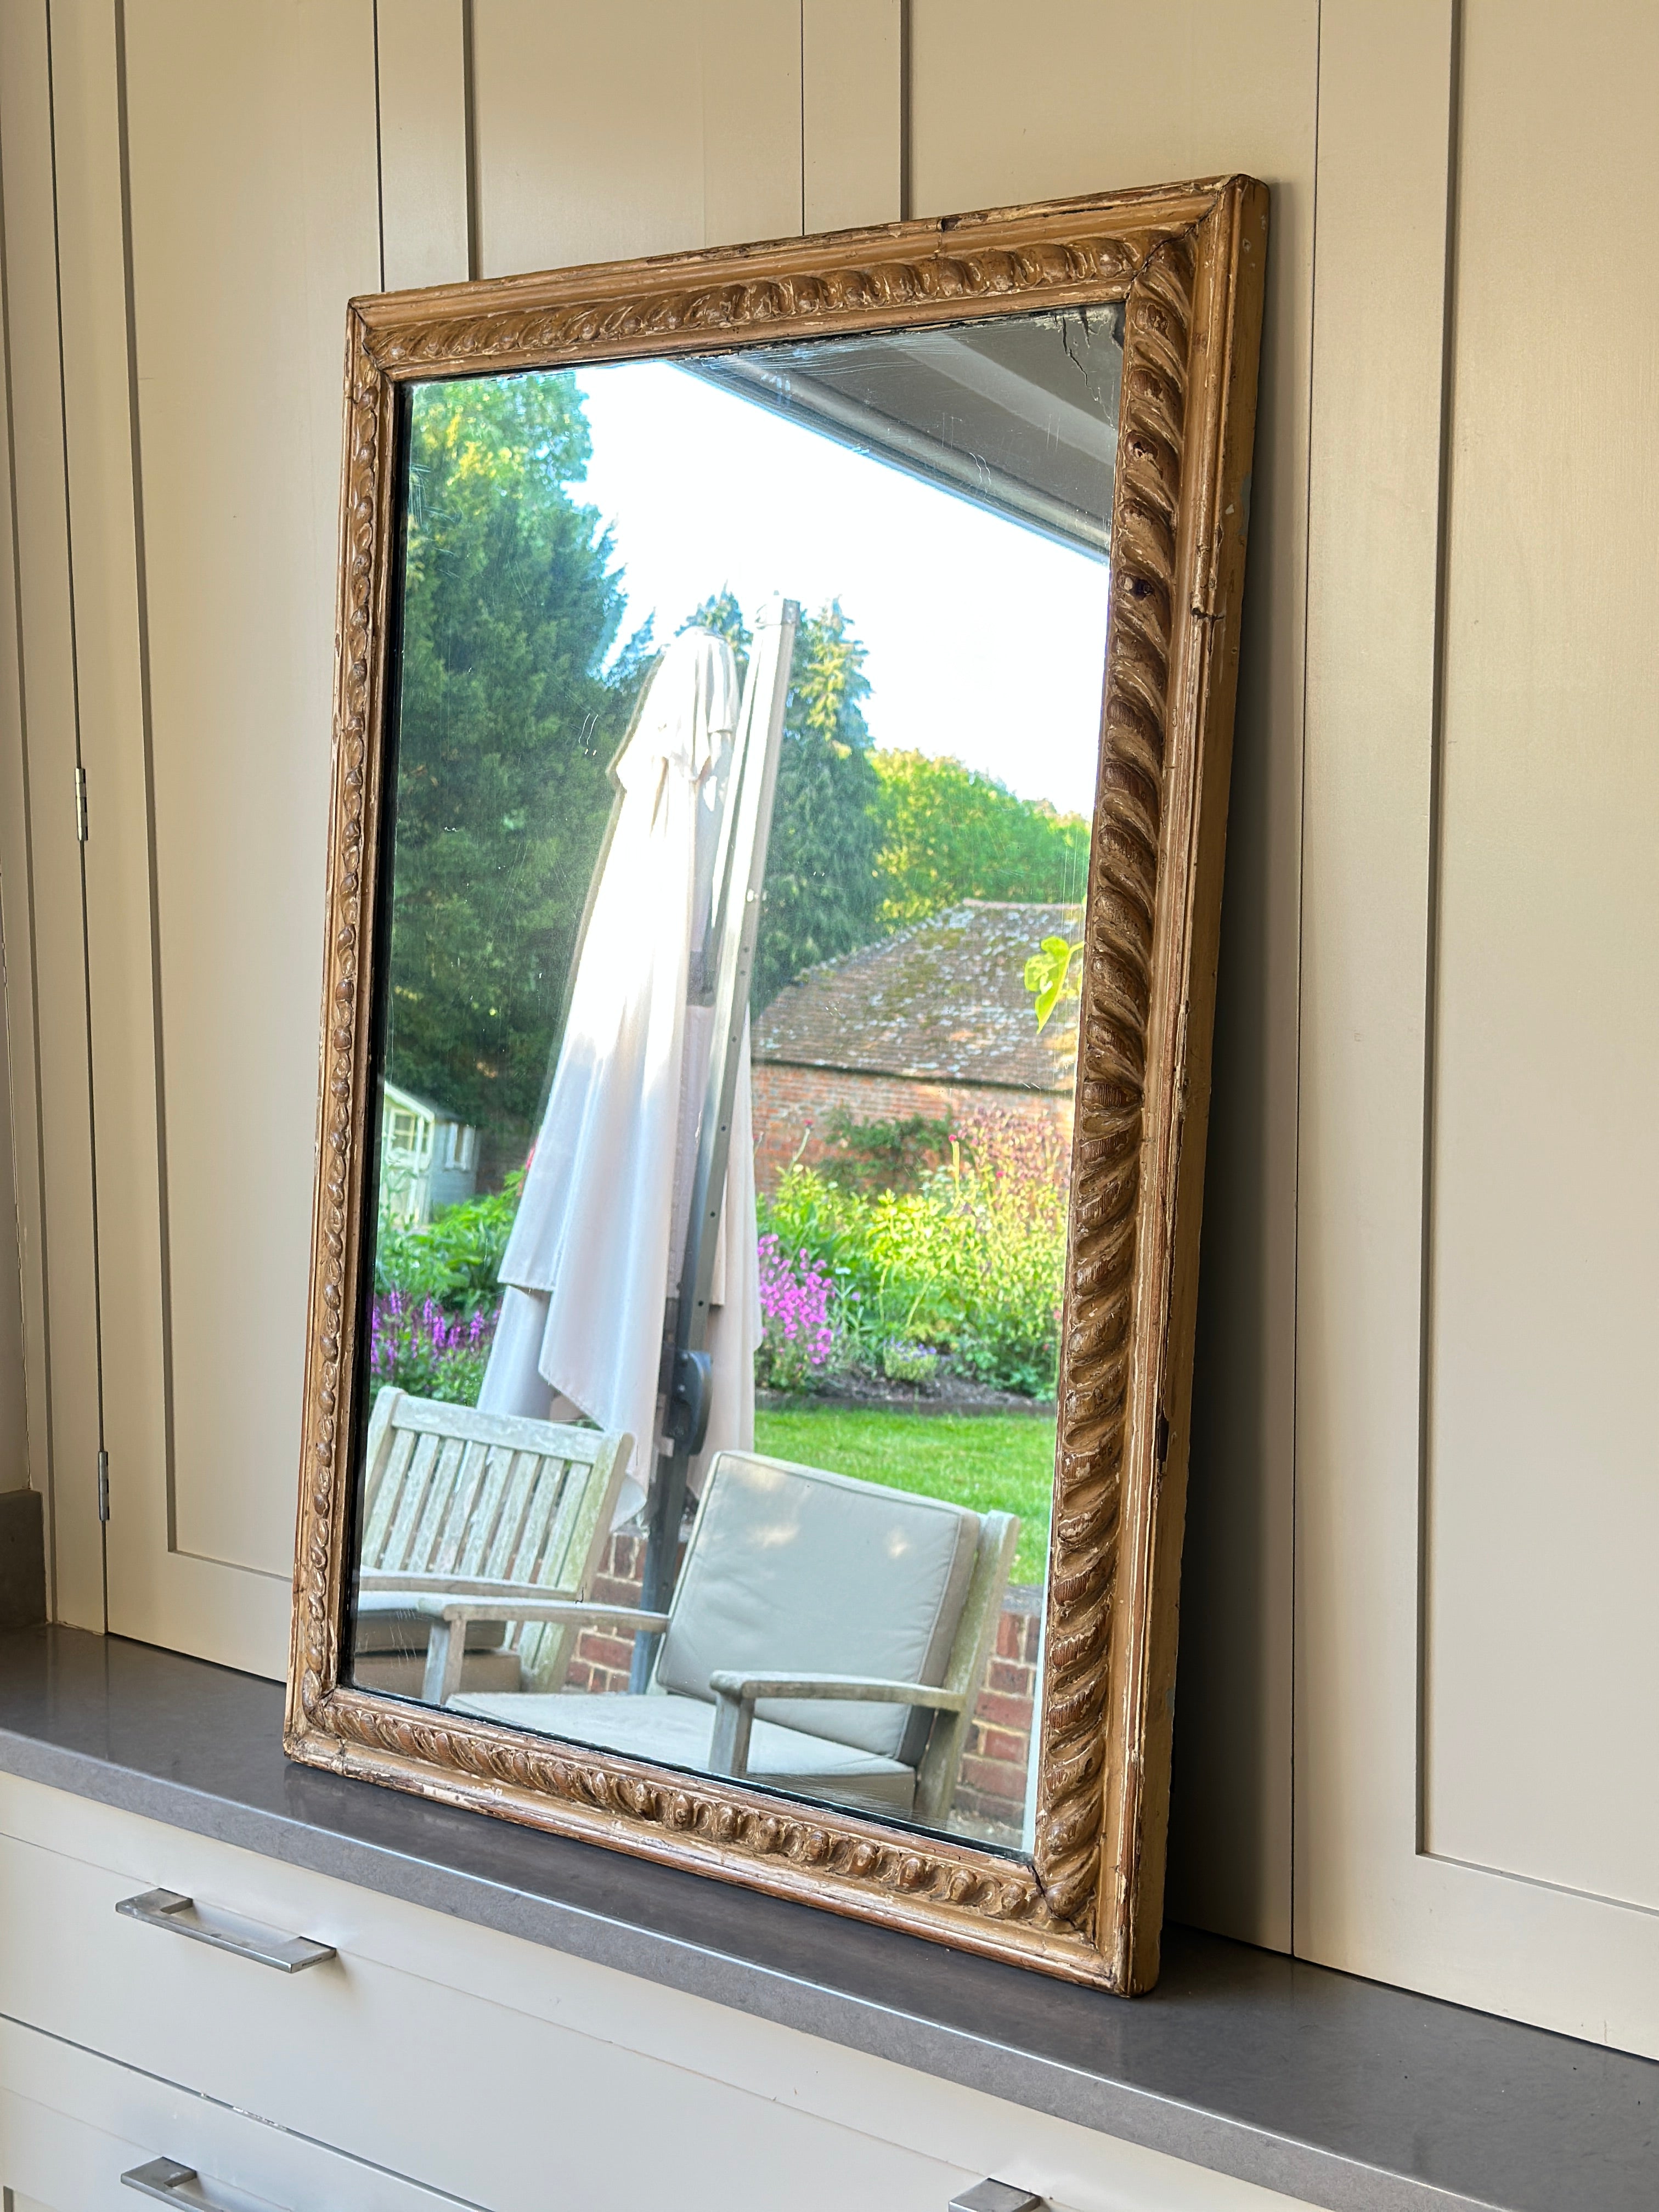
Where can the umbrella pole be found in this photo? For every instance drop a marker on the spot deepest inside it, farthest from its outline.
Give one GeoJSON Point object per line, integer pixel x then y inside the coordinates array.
{"type": "Point", "coordinates": [740, 872]}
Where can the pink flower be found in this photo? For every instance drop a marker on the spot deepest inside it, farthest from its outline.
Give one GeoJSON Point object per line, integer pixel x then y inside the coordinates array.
{"type": "Point", "coordinates": [795, 1306]}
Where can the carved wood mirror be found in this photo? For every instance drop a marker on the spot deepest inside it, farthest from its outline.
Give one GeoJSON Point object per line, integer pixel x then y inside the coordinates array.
{"type": "Point", "coordinates": [783, 722]}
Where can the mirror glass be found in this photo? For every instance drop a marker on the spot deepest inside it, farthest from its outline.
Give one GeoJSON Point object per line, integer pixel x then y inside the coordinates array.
{"type": "Point", "coordinates": [746, 729]}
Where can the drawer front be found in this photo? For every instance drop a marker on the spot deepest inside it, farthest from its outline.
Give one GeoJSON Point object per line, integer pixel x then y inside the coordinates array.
{"type": "Point", "coordinates": [72, 2124]}
{"type": "Point", "coordinates": [483, 2102]}
{"type": "Point", "coordinates": [499, 2071]}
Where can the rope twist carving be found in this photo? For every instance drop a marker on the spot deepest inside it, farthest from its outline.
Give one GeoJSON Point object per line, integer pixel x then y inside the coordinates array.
{"type": "Point", "coordinates": [1111, 1072]}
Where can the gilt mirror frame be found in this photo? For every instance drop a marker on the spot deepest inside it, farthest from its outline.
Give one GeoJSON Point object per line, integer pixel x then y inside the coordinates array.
{"type": "Point", "coordinates": [1186, 262]}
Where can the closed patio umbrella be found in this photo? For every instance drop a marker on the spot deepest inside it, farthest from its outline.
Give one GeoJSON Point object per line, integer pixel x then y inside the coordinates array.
{"type": "Point", "coordinates": [599, 1241]}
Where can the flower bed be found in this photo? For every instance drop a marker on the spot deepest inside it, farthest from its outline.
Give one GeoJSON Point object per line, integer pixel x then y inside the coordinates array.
{"type": "Point", "coordinates": [968, 1266]}
{"type": "Point", "coordinates": [423, 1349]}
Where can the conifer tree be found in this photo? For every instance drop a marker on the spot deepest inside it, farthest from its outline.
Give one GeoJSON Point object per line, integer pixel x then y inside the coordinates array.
{"type": "Point", "coordinates": [508, 719]}
{"type": "Point", "coordinates": [821, 892]}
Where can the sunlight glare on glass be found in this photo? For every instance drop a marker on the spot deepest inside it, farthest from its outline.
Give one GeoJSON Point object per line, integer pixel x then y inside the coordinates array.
{"type": "Point", "coordinates": [985, 640]}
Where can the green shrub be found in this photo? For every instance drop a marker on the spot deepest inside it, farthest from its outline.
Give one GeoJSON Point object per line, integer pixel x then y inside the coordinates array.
{"type": "Point", "coordinates": [893, 1155]}
{"type": "Point", "coordinates": [455, 1260]}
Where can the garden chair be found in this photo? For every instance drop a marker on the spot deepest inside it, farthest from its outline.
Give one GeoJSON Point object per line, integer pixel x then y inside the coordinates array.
{"type": "Point", "coordinates": [826, 1636]}
{"type": "Point", "coordinates": [456, 1501]}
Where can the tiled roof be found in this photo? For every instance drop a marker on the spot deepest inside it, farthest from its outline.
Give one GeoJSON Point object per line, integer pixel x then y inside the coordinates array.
{"type": "Point", "coordinates": [943, 1000]}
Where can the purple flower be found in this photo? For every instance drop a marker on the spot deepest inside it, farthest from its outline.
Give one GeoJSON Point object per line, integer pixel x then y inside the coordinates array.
{"type": "Point", "coordinates": [425, 1349]}
{"type": "Point", "coordinates": [795, 1299]}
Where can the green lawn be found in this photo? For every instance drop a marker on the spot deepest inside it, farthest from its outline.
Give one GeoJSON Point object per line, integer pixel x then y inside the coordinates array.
{"type": "Point", "coordinates": [977, 1459]}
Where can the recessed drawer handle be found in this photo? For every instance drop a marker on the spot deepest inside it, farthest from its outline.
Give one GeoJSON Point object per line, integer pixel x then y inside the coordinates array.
{"type": "Point", "coordinates": [172, 2183]}
{"type": "Point", "coordinates": [997, 2196]}
{"type": "Point", "coordinates": [165, 1908]}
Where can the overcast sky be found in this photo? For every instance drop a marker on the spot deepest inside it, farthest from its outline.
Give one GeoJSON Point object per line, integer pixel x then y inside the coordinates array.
{"type": "Point", "coordinates": [985, 640]}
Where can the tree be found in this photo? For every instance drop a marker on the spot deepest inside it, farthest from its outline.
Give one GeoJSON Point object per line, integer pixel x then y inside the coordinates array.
{"type": "Point", "coordinates": [949, 833]}
{"type": "Point", "coordinates": [820, 893]}
{"type": "Point", "coordinates": [507, 720]}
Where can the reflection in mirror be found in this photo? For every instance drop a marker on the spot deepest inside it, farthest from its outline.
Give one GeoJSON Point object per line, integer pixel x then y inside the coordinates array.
{"type": "Point", "coordinates": [748, 710]}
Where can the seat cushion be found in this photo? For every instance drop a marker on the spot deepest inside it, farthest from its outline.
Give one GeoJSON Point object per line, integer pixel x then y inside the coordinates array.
{"type": "Point", "coordinates": [791, 1570]}
{"type": "Point", "coordinates": [677, 1732]}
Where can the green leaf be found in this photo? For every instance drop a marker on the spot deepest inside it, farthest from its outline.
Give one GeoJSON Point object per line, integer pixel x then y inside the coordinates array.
{"type": "Point", "coordinates": [1046, 973]}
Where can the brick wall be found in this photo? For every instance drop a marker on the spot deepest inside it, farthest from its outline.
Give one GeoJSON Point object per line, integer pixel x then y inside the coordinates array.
{"type": "Point", "coordinates": [601, 1660]}
{"type": "Point", "coordinates": [992, 1787]}
{"type": "Point", "coordinates": [995, 1762]}
{"type": "Point", "coordinates": [793, 1107]}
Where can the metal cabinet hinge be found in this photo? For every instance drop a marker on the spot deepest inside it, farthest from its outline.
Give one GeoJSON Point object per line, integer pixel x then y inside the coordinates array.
{"type": "Point", "coordinates": [81, 802]}
{"type": "Point", "coordinates": [103, 1486]}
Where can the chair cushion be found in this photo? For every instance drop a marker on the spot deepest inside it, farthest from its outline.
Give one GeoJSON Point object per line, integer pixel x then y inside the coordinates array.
{"type": "Point", "coordinates": [793, 1569]}
{"type": "Point", "coordinates": [677, 1732]}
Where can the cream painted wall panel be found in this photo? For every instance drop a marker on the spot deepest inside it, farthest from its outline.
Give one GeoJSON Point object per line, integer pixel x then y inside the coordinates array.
{"type": "Point", "coordinates": [420, 48]}
{"type": "Point", "coordinates": [603, 132]}
{"type": "Point", "coordinates": [1140, 95]}
{"type": "Point", "coordinates": [19, 1167]}
{"type": "Point", "coordinates": [1543, 1476]}
{"type": "Point", "coordinates": [203, 443]}
{"type": "Point", "coordinates": [1385, 89]}
{"type": "Point", "coordinates": [42, 860]}
{"type": "Point", "coordinates": [20, 1164]}
{"type": "Point", "coordinates": [852, 120]}
{"type": "Point", "coordinates": [14, 1379]}
{"type": "Point", "coordinates": [1369, 1896]}
{"type": "Point", "coordinates": [588, 130]}
{"type": "Point", "coordinates": [750, 70]}
{"type": "Point", "coordinates": [251, 157]}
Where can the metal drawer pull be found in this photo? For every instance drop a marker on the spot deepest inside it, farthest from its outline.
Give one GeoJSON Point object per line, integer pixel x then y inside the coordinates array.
{"type": "Point", "coordinates": [997, 2196]}
{"type": "Point", "coordinates": [165, 1908]}
{"type": "Point", "coordinates": [173, 2184]}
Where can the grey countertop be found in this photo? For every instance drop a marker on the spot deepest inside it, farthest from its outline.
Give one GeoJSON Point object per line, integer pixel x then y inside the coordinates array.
{"type": "Point", "coordinates": [1343, 2093]}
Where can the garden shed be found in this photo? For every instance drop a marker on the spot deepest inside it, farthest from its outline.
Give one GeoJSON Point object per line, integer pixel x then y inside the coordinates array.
{"type": "Point", "coordinates": [429, 1157]}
